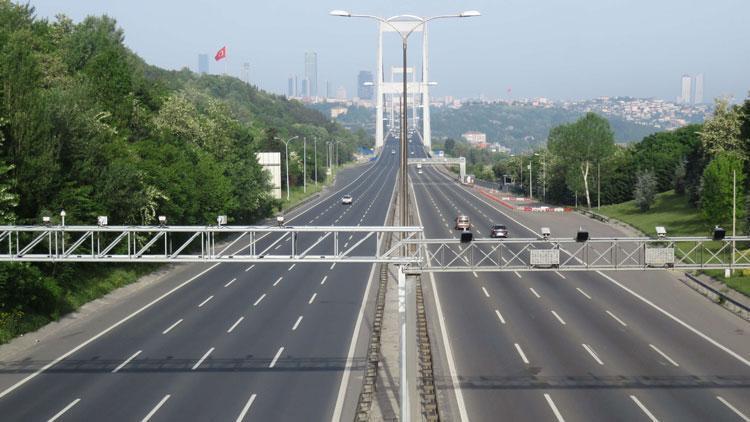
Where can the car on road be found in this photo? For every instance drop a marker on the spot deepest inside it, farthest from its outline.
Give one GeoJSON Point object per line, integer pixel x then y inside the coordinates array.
{"type": "Point", "coordinates": [498, 230]}
{"type": "Point", "coordinates": [393, 151]}
{"type": "Point", "coordinates": [462, 222]}
{"type": "Point", "coordinates": [419, 171]}
{"type": "Point", "coordinates": [347, 199]}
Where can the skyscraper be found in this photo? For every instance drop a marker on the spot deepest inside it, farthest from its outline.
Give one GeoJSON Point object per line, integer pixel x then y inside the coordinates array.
{"type": "Point", "coordinates": [311, 73]}
{"type": "Point", "coordinates": [304, 89]}
{"type": "Point", "coordinates": [685, 97]}
{"type": "Point", "coordinates": [203, 63]}
{"type": "Point", "coordinates": [290, 87]}
{"type": "Point", "coordinates": [328, 89]}
{"type": "Point", "coordinates": [364, 92]}
{"type": "Point", "coordinates": [698, 89]}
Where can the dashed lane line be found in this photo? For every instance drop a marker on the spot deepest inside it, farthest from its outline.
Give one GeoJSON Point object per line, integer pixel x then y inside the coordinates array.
{"type": "Point", "coordinates": [172, 326]}
{"type": "Point", "coordinates": [127, 361]}
{"type": "Point", "coordinates": [156, 408]}
{"type": "Point", "coordinates": [644, 408]}
{"type": "Point", "coordinates": [235, 325]}
{"type": "Point", "coordinates": [64, 409]}
{"type": "Point", "coordinates": [664, 355]}
{"type": "Point", "coordinates": [552, 406]}
{"type": "Point", "coordinates": [206, 301]}
{"type": "Point", "coordinates": [276, 358]}
{"type": "Point", "coordinates": [296, 324]}
{"type": "Point", "coordinates": [259, 299]}
{"type": "Point", "coordinates": [592, 353]}
{"type": "Point", "coordinates": [204, 357]}
{"type": "Point", "coordinates": [246, 408]}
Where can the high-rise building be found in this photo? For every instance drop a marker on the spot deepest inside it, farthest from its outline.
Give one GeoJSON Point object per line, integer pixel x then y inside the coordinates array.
{"type": "Point", "coordinates": [203, 63]}
{"type": "Point", "coordinates": [290, 87]}
{"type": "Point", "coordinates": [311, 73]}
{"type": "Point", "coordinates": [296, 86]}
{"type": "Point", "coordinates": [698, 99]}
{"type": "Point", "coordinates": [364, 92]}
{"type": "Point", "coordinates": [329, 94]}
{"type": "Point", "coordinates": [686, 90]}
{"type": "Point", "coordinates": [304, 89]}
{"type": "Point", "coordinates": [341, 93]}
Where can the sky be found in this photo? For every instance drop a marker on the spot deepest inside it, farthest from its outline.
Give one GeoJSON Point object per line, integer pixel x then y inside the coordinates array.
{"type": "Point", "coordinates": [564, 50]}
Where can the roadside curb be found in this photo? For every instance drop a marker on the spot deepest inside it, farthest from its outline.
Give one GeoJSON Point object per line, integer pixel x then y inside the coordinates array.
{"type": "Point", "coordinates": [717, 297]}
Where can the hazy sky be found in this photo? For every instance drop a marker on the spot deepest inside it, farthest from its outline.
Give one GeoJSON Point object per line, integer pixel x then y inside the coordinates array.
{"type": "Point", "coordinates": [569, 49]}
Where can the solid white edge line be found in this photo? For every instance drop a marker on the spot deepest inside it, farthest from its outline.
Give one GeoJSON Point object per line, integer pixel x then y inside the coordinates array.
{"type": "Point", "coordinates": [520, 352]}
{"type": "Point", "coordinates": [127, 361]}
{"type": "Point", "coordinates": [102, 333]}
{"type": "Point", "coordinates": [485, 292]}
{"type": "Point", "coordinates": [312, 298]}
{"type": "Point", "coordinates": [583, 293]}
{"type": "Point", "coordinates": [259, 299]}
{"type": "Point", "coordinates": [235, 325]}
{"type": "Point", "coordinates": [677, 320]}
{"type": "Point", "coordinates": [275, 358]}
{"type": "Point", "coordinates": [616, 318]}
{"type": "Point", "coordinates": [246, 408]}
{"type": "Point", "coordinates": [558, 317]}
{"type": "Point", "coordinates": [156, 408]}
{"type": "Point", "coordinates": [200, 361]}
{"type": "Point", "coordinates": [734, 409]}
{"type": "Point", "coordinates": [535, 293]}
{"type": "Point", "coordinates": [64, 409]}
{"type": "Point", "coordinates": [297, 323]}
{"type": "Point", "coordinates": [172, 326]}
{"type": "Point", "coordinates": [592, 353]}
{"type": "Point", "coordinates": [500, 316]}
{"type": "Point", "coordinates": [644, 408]}
{"type": "Point", "coordinates": [205, 301]}
{"type": "Point", "coordinates": [552, 406]}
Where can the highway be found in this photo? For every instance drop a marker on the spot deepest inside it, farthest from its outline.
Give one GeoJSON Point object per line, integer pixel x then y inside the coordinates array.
{"type": "Point", "coordinates": [575, 346]}
{"type": "Point", "coordinates": [230, 342]}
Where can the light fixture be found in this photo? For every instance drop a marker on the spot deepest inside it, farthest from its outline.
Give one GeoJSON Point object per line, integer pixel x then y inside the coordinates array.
{"type": "Point", "coordinates": [469, 14]}
{"type": "Point", "coordinates": [280, 220]}
{"type": "Point", "coordinates": [661, 232]}
{"type": "Point", "coordinates": [466, 236]}
{"type": "Point", "coordinates": [102, 220]}
{"type": "Point", "coordinates": [546, 233]}
{"type": "Point", "coordinates": [341, 13]}
{"type": "Point", "coordinates": [46, 220]}
{"type": "Point", "coordinates": [162, 220]}
{"type": "Point", "coordinates": [222, 219]}
{"type": "Point", "coordinates": [582, 235]}
{"type": "Point", "coordinates": [719, 233]}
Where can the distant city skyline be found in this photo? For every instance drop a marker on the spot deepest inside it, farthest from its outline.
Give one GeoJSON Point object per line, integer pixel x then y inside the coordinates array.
{"type": "Point", "coordinates": [517, 49]}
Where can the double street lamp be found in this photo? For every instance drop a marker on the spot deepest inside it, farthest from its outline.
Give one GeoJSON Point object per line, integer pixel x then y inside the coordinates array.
{"type": "Point", "coordinates": [286, 152]}
{"type": "Point", "coordinates": [417, 22]}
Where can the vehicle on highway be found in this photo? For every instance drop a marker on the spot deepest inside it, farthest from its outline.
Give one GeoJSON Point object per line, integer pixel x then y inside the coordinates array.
{"type": "Point", "coordinates": [498, 230]}
{"type": "Point", "coordinates": [419, 165]}
{"type": "Point", "coordinates": [393, 151]}
{"type": "Point", "coordinates": [462, 222]}
{"type": "Point", "coordinates": [419, 171]}
{"type": "Point", "coordinates": [347, 199]}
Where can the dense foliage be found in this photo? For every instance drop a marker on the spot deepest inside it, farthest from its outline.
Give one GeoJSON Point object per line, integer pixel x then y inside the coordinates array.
{"type": "Point", "coordinates": [88, 127]}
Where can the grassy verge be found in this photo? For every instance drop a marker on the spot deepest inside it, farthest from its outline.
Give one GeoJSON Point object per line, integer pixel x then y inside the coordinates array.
{"type": "Point", "coordinates": [681, 219]}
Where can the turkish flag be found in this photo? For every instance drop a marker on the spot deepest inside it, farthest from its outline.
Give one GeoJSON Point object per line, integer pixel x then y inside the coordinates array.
{"type": "Point", "coordinates": [221, 54]}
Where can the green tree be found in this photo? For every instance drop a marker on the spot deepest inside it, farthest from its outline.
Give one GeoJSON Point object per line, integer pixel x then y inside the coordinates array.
{"type": "Point", "coordinates": [450, 144]}
{"type": "Point", "coordinates": [645, 190]}
{"type": "Point", "coordinates": [723, 131]}
{"type": "Point", "coordinates": [581, 145]}
{"type": "Point", "coordinates": [716, 188]}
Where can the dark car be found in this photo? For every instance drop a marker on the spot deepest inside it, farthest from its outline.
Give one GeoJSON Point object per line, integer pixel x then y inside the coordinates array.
{"type": "Point", "coordinates": [498, 230]}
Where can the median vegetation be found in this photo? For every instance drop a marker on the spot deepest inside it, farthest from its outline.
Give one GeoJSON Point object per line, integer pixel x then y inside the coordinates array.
{"type": "Point", "coordinates": [88, 127]}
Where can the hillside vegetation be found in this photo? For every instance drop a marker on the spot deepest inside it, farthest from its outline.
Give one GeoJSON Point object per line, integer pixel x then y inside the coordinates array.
{"type": "Point", "coordinates": [87, 126]}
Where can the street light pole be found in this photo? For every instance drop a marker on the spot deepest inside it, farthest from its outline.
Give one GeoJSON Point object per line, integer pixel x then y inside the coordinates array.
{"type": "Point", "coordinates": [304, 164]}
{"type": "Point", "coordinates": [315, 147]}
{"type": "Point", "coordinates": [531, 183]}
{"type": "Point", "coordinates": [286, 152]}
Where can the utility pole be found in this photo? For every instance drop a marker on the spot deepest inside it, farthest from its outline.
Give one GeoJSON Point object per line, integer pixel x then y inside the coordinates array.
{"type": "Point", "coordinates": [286, 152]}
{"type": "Point", "coordinates": [304, 164]}
{"type": "Point", "coordinates": [734, 215]}
{"type": "Point", "coordinates": [315, 147]}
{"type": "Point", "coordinates": [531, 186]}
{"type": "Point", "coordinates": [598, 188]}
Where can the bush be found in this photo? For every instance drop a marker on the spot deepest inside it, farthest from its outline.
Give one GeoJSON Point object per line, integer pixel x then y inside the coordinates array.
{"type": "Point", "coordinates": [645, 190]}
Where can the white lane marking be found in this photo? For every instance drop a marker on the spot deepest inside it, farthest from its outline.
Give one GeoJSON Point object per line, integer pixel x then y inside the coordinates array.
{"type": "Point", "coordinates": [554, 408]}
{"type": "Point", "coordinates": [275, 358]}
{"type": "Point", "coordinates": [558, 317]}
{"type": "Point", "coordinates": [259, 299]}
{"type": "Point", "coordinates": [172, 326]}
{"type": "Point", "coordinates": [677, 320]}
{"type": "Point", "coordinates": [127, 361]}
{"type": "Point", "coordinates": [297, 323]}
{"type": "Point", "coordinates": [278, 280]}
{"type": "Point", "coordinates": [197, 364]}
{"type": "Point", "coordinates": [246, 408]}
{"type": "Point", "coordinates": [499, 316]}
{"type": "Point", "coordinates": [664, 355]}
{"type": "Point", "coordinates": [560, 274]}
{"type": "Point", "coordinates": [64, 409]}
{"type": "Point", "coordinates": [475, 274]}
{"type": "Point", "coordinates": [644, 409]}
{"type": "Point", "coordinates": [485, 292]}
{"type": "Point", "coordinates": [277, 247]}
{"type": "Point", "coordinates": [249, 268]}
{"type": "Point", "coordinates": [592, 353]}
{"type": "Point", "coordinates": [520, 352]}
{"type": "Point", "coordinates": [156, 408]}
{"type": "Point", "coordinates": [617, 319]}
{"type": "Point", "coordinates": [205, 301]}
{"type": "Point", "coordinates": [583, 293]}
{"type": "Point", "coordinates": [292, 266]}
{"type": "Point", "coordinates": [312, 298]}
{"type": "Point", "coordinates": [230, 282]}
{"type": "Point", "coordinates": [517, 274]}
{"type": "Point", "coordinates": [734, 409]}
{"type": "Point", "coordinates": [235, 324]}
{"type": "Point", "coordinates": [323, 281]}
{"type": "Point", "coordinates": [535, 293]}
{"type": "Point", "coordinates": [332, 265]}
{"type": "Point", "coordinates": [346, 244]}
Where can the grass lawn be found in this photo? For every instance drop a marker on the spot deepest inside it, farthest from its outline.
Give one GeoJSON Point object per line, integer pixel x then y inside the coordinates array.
{"type": "Point", "coordinates": [680, 219]}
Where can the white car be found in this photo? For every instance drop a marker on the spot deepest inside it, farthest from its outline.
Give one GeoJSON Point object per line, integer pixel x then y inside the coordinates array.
{"type": "Point", "coordinates": [346, 199]}
{"type": "Point", "coordinates": [419, 171]}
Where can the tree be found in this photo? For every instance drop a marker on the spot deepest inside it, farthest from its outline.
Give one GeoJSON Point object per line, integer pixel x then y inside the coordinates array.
{"type": "Point", "coordinates": [716, 188]}
{"type": "Point", "coordinates": [580, 145]}
{"type": "Point", "coordinates": [645, 190]}
{"type": "Point", "coordinates": [450, 144]}
{"type": "Point", "coordinates": [723, 131]}
{"type": "Point", "coordinates": [679, 178]}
